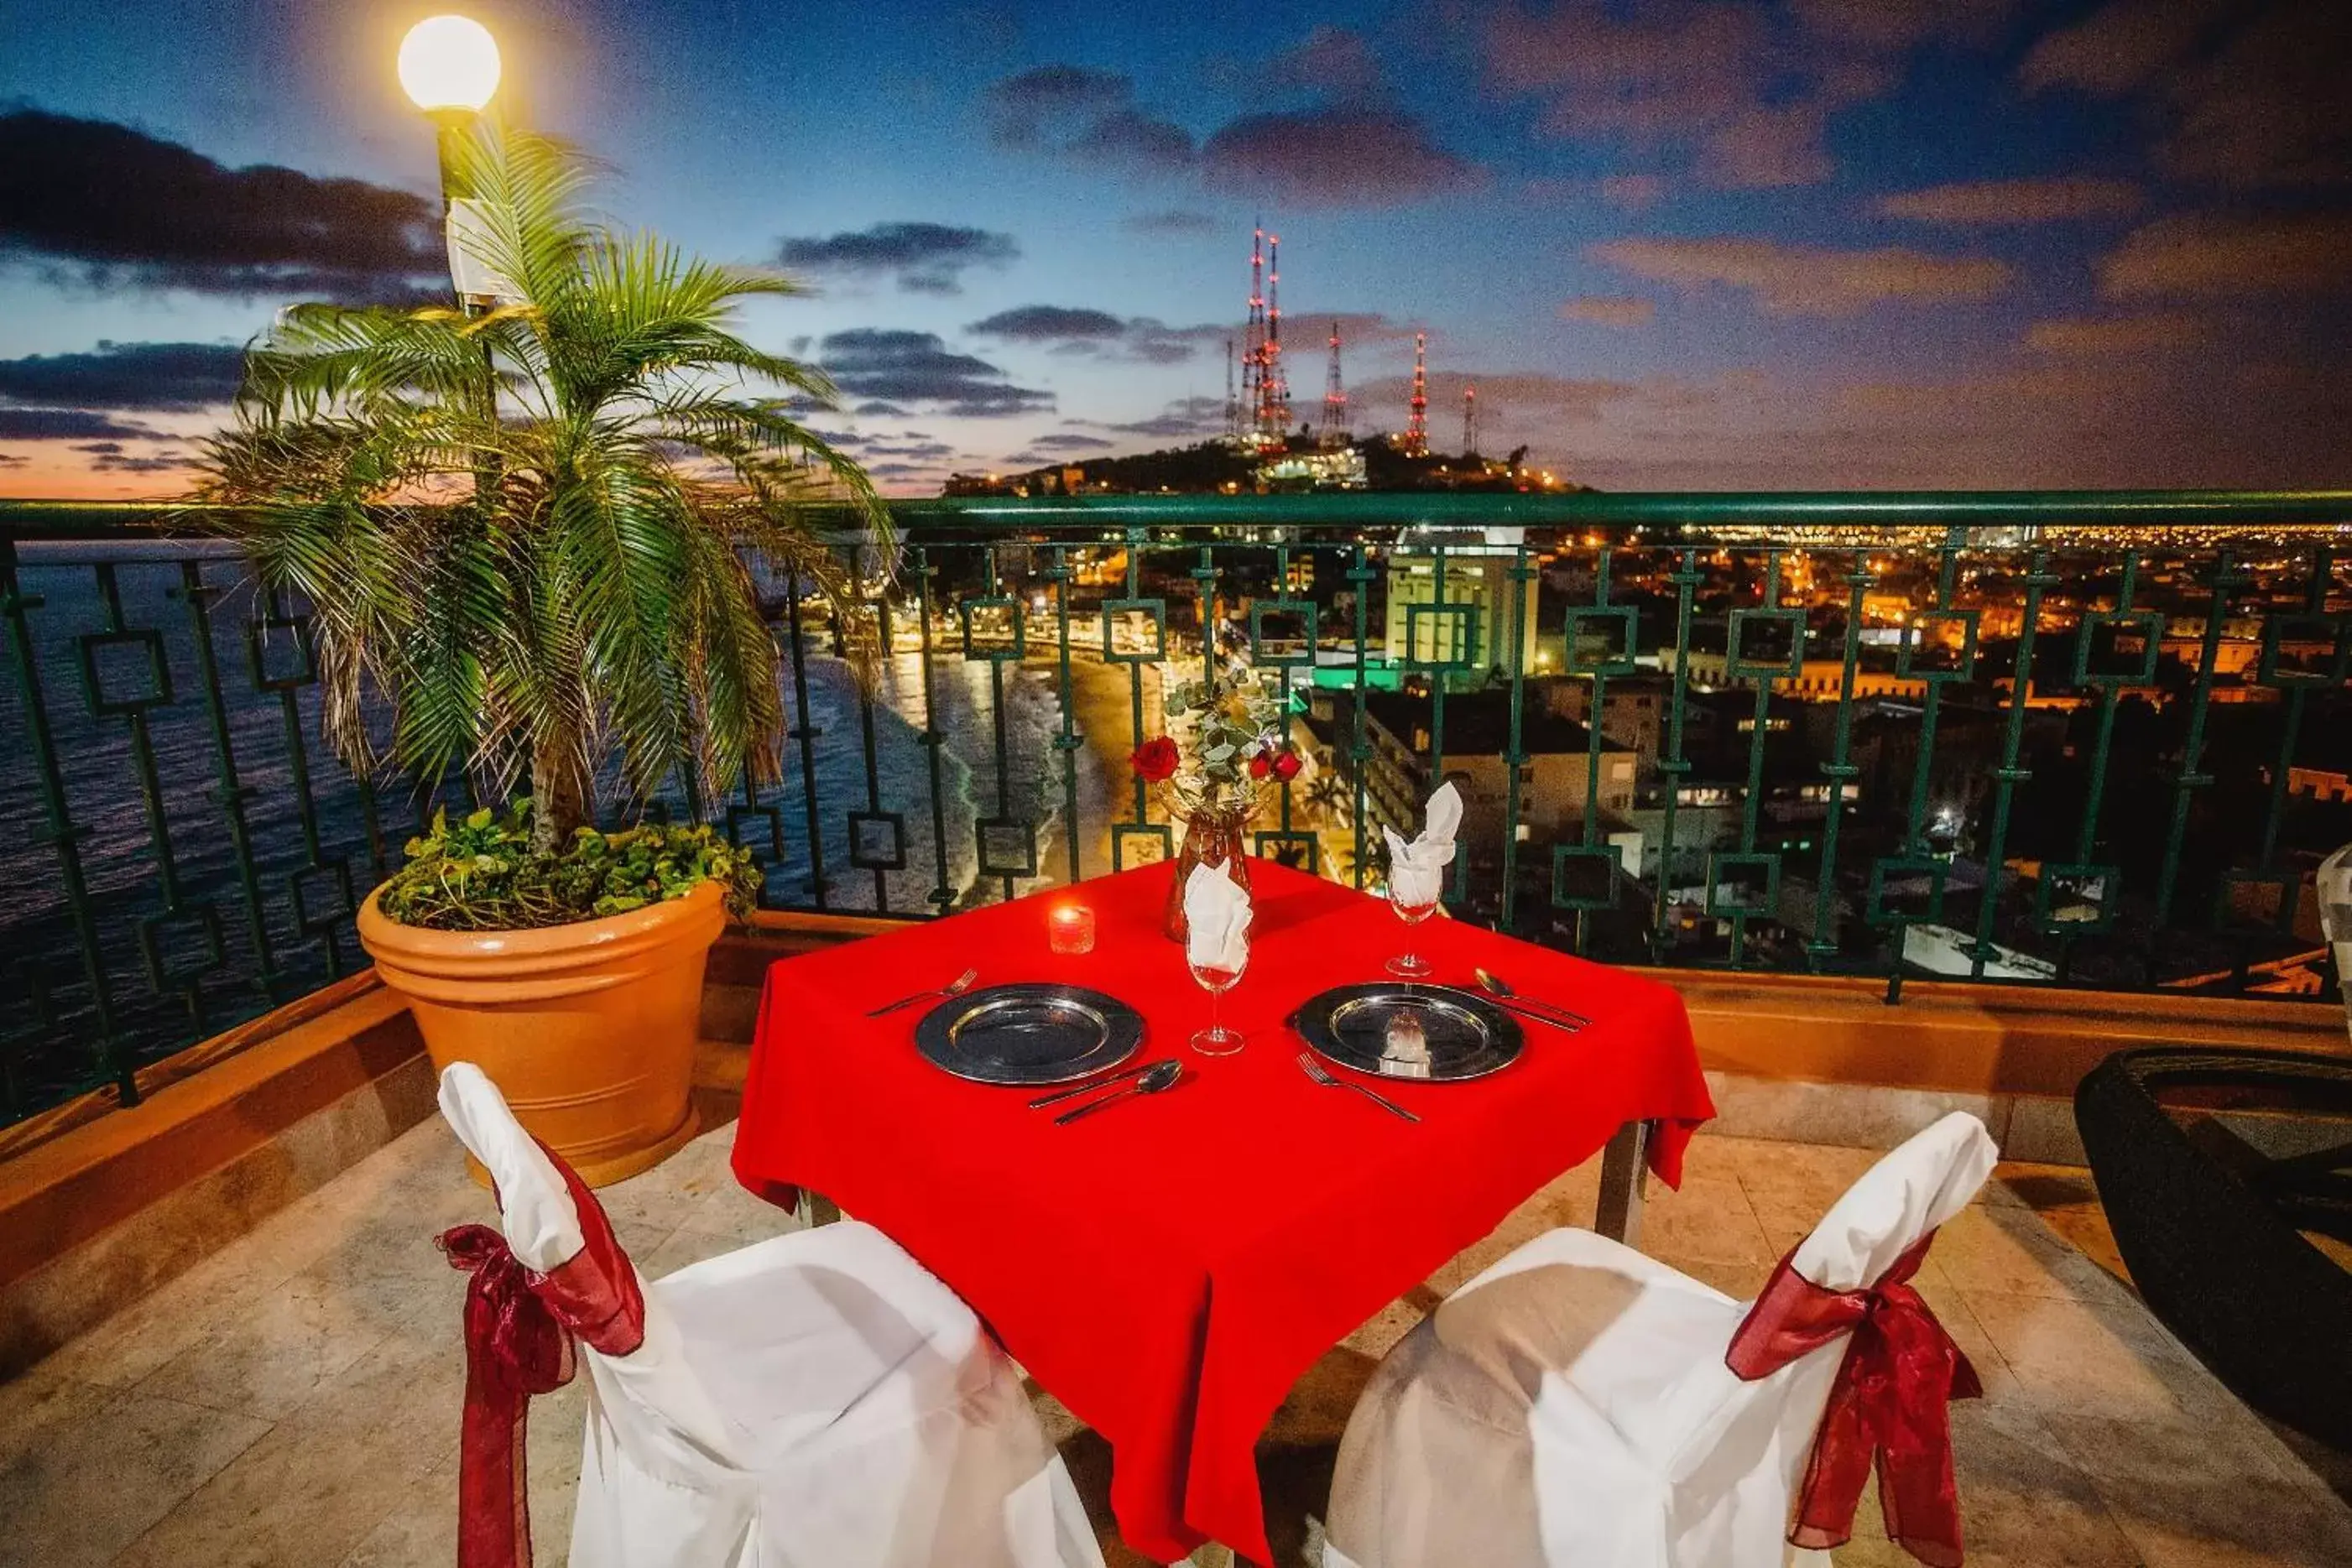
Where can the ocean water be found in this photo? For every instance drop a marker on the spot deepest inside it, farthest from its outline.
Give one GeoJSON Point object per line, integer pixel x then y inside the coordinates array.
{"type": "Point", "coordinates": [189, 944]}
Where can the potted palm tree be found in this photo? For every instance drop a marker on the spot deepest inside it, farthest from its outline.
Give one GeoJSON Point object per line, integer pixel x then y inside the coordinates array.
{"type": "Point", "coordinates": [520, 529]}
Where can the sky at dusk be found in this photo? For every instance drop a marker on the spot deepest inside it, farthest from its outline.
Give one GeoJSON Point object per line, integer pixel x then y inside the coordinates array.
{"type": "Point", "coordinates": [1687, 245]}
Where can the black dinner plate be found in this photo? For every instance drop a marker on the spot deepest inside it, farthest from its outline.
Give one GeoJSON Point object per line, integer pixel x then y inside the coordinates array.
{"type": "Point", "coordinates": [1460, 1034]}
{"type": "Point", "coordinates": [1031, 1032]}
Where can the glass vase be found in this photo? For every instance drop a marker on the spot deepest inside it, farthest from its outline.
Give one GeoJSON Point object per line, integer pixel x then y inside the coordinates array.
{"type": "Point", "coordinates": [1216, 823]}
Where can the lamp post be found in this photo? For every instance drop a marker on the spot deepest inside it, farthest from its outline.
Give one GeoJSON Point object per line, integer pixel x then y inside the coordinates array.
{"type": "Point", "coordinates": [449, 68]}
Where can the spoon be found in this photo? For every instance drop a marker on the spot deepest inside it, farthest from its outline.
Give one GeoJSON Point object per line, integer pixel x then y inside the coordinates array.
{"type": "Point", "coordinates": [1494, 986]}
{"type": "Point", "coordinates": [1162, 1076]}
{"type": "Point", "coordinates": [954, 988]}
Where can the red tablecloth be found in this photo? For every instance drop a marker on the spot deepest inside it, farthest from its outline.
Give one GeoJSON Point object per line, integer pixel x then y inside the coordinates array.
{"type": "Point", "coordinates": [1169, 1268]}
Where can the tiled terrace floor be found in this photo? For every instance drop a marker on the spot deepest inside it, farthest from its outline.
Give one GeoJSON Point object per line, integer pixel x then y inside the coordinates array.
{"type": "Point", "coordinates": [293, 1400]}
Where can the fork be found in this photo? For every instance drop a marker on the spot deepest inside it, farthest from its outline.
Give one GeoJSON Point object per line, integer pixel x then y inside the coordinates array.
{"type": "Point", "coordinates": [954, 988]}
{"type": "Point", "coordinates": [1321, 1074]}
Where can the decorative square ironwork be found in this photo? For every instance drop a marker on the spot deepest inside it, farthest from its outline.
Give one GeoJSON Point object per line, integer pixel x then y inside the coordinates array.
{"type": "Point", "coordinates": [1885, 879]}
{"type": "Point", "coordinates": [2076, 900]}
{"type": "Point", "coordinates": [1619, 659]}
{"type": "Point", "coordinates": [1585, 876]}
{"type": "Point", "coordinates": [156, 948]}
{"type": "Point", "coordinates": [1271, 843]}
{"type": "Point", "coordinates": [322, 922]}
{"type": "Point", "coordinates": [2238, 900]}
{"type": "Point", "coordinates": [1012, 834]}
{"type": "Point", "coordinates": [772, 815]}
{"type": "Point", "coordinates": [1718, 883]}
{"type": "Point", "coordinates": [1019, 646]}
{"type": "Point", "coordinates": [863, 826]}
{"type": "Point", "coordinates": [2119, 648]}
{"type": "Point", "coordinates": [1114, 610]}
{"type": "Point", "coordinates": [92, 644]}
{"type": "Point", "coordinates": [2302, 649]}
{"type": "Point", "coordinates": [1464, 638]}
{"type": "Point", "coordinates": [1309, 628]}
{"type": "Point", "coordinates": [1157, 833]}
{"type": "Point", "coordinates": [258, 643]}
{"type": "Point", "coordinates": [1927, 653]}
{"type": "Point", "coordinates": [1768, 645]}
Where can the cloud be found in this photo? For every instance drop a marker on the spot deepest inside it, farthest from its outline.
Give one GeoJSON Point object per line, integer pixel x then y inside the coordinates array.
{"type": "Point", "coordinates": [11, 460]}
{"type": "Point", "coordinates": [1343, 157]}
{"type": "Point", "coordinates": [1098, 333]}
{"type": "Point", "coordinates": [1025, 104]}
{"type": "Point", "coordinates": [1744, 93]}
{"type": "Point", "coordinates": [1891, 27]}
{"type": "Point", "coordinates": [1170, 224]}
{"type": "Point", "coordinates": [1709, 79]}
{"type": "Point", "coordinates": [1130, 139]}
{"type": "Point", "coordinates": [109, 206]}
{"type": "Point", "coordinates": [1610, 310]}
{"type": "Point", "coordinates": [2223, 253]}
{"type": "Point", "coordinates": [70, 424]}
{"type": "Point", "coordinates": [1990, 202]}
{"type": "Point", "coordinates": [926, 258]}
{"type": "Point", "coordinates": [1329, 61]}
{"type": "Point", "coordinates": [2119, 46]}
{"type": "Point", "coordinates": [1634, 192]}
{"type": "Point", "coordinates": [880, 410]}
{"type": "Point", "coordinates": [1049, 323]}
{"type": "Point", "coordinates": [1085, 114]}
{"type": "Point", "coordinates": [1070, 443]}
{"type": "Point", "coordinates": [2087, 335]}
{"type": "Point", "coordinates": [125, 463]}
{"type": "Point", "coordinates": [175, 376]}
{"type": "Point", "coordinates": [1185, 416]}
{"type": "Point", "coordinates": [1808, 280]}
{"type": "Point", "coordinates": [903, 366]}
{"type": "Point", "coordinates": [2248, 93]}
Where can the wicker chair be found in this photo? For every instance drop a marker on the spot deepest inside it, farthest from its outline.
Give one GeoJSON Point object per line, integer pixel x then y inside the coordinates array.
{"type": "Point", "coordinates": [2213, 1230]}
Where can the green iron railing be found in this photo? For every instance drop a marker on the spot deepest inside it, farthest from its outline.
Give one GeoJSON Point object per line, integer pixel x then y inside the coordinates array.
{"type": "Point", "coordinates": [2093, 739]}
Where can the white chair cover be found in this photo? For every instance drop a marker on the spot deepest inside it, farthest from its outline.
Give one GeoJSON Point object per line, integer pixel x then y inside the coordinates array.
{"type": "Point", "coordinates": [1571, 1408]}
{"type": "Point", "coordinates": [817, 1400]}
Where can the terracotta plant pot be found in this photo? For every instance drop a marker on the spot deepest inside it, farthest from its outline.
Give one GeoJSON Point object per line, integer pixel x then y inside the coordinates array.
{"type": "Point", "coordinates": [588, 1029]}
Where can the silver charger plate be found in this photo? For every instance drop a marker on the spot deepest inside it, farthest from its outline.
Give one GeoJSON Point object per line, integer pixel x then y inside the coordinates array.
{"type": "Point", "coordinates": [1032, 1033]}
{"type": "Point", "coordinates": [1397, 1029]}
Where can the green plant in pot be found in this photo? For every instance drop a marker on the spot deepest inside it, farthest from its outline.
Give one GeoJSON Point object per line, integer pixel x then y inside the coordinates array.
{"type": "Point", "coordinates": [519, 530]}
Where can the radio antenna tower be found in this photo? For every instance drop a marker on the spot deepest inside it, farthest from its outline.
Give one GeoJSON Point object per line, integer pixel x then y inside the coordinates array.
{"type": "Point", "coordinates": [1247, 413]}
{"type": "Point", "coordinates": [1274, 384]}
{"type": "Point", "coordinates": [1470, 421]}
{"type": "Point", "coordinates": [1416, 421]}
{"type": "Point", "coordinates": [1335, 398]}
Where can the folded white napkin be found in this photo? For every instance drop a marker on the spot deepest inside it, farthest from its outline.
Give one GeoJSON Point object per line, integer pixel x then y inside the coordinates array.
{"type": "Point", "coordinates": [1417, 870]}
{"type": "Point", "coordinates": [1216, 918]}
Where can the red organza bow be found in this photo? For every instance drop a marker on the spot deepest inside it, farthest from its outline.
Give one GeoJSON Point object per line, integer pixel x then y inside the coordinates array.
{"type": "Point", "coordinates": [520, 1329]}
{"type": "Point", "coordinates": [1889, 1406]}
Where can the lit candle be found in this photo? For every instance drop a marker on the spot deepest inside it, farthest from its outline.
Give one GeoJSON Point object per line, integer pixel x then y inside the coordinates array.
{"type": "Point", "coordinates": [1071, 928]}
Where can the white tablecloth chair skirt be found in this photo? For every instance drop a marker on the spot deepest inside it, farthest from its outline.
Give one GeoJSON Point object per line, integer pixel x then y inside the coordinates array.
{"type": "Point", "coordinates": [818, 1400]}
{"type": "Point", "coordinates": [1571, 1408]}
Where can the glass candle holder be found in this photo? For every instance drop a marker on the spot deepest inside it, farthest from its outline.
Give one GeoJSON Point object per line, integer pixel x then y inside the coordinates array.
{"type": "Point", "coordinates": [1071, 929]}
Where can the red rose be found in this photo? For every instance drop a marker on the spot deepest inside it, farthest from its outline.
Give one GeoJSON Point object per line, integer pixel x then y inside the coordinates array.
{"type": "Point", "coordinates": [1285, 767]}
{"type": "Point", "coordinates": [1259, 766]}
{"type": "Point", "coordinates": [1155, 760]}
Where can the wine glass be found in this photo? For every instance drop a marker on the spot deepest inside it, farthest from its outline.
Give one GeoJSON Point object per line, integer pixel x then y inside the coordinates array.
{"type": "Point", "coordinates": [1217, 1040]}
{"type": "Point", "coordinates": [1407, 964]}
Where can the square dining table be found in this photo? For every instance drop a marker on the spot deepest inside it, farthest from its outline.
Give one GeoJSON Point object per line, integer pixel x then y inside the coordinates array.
{"type": "Point", "coordinates": [1169, 1266]}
